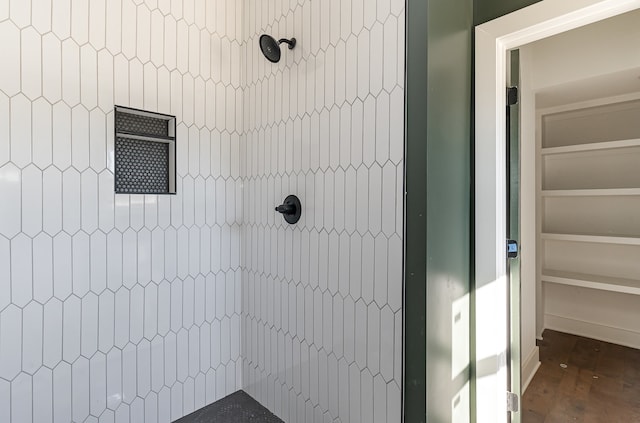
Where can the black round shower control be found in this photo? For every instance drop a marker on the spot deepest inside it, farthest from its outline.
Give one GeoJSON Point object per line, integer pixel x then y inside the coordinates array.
{"type": "Point", "coordinates": [291, 209]}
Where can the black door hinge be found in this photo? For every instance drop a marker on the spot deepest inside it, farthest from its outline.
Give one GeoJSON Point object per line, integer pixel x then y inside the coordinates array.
{"type": "Point", "coordinates": [512, 96]}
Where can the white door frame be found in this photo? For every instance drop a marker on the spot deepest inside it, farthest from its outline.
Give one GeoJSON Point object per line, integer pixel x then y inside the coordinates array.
{"type": "Point", "coordinates": [493, 39]}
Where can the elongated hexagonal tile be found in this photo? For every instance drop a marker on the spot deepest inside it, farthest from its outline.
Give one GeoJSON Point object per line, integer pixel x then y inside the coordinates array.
{"type": "Point", "coordinates": [114, 379]}
{"type": "Point", "coordinates": [52, 201]}
{"type": "Point", "coordinates": [382, 128]}
{"type": "Point", "coordinates": [41, 15]}
{"type": "Point", "coordinates": [52, 72]}
{"type": "Point", "coordinates": [70, 72]}
{"type": "Point", "coordinates": [43, 392]}
{"type": "Point", "coordinates": [157, 364]}
{"type": "Point", "coordinates": [121, 79]}
{"type": "Point", "coordinates": [20, 132]}
{"type": "Point", "coordinates": [98, 384]}
{"type": "Point", "coordinates": [5, 127]}
{"type": "Point", "coordinates": [122, 310]}
{"type": "Point", "coordinates": [52, 333]}
{"type": "Point", "coordinates": [31, 65]}
{"type": "Point", "coordinates": [136, 316]}
{"type": "Point", "coordinates": [62, 379]}
{"type": "Point", "coordinates": [80, 371]}
{"type": "Point", "coordinates": [5, 272]}
{"type": "Point", "coordinates": [143, 26]}
{"type": "Point", "coordinates": [42, 129]}
{"type": "Point", "coordinates": [98, 262]}
{"type": "Point", "coordinates": [71, 321]}
{"type": "Point", "coordinates": [150, 311]}
{"type": "Point", "coordinates": [170, 359]}
{"type": "Point", "coordinates": [106, 201]}
{"type": "Point", "coordinates": [90, 325]}
{"type": "Point", "coordinates": [136, 87]}
{"type": "Point", "coordinates": [143, 365]}
{"type": "Point", "coordinates": [129, 362]}
{"type": "Point", "coordinates": [22, 398]}
{"type": "Point", "coordinates": [61, 135]}
{"type": "Point", "coordinates": [89, 76]}
{"type": "Point", "coordinates": [62, 268]}
{"type": "Point", "coordinates": [10, 71]}
{"type": "Point", "coordinates": [144, 257]}
{"type": "Point", "coordinates": [32, 333]}
{"type": "Point", "coordinates": [129, 30]}
{"type": "Point", "coordinates": [113, 18]}
{"type": "Point", "coordinates": [80, 264]}
{"type": "Point", "coordinates": [21, 270]}
{"type": "Point", "coordinates": [10, 182]}
{"type": "Point", "coordinates": [71, 201]}
{"type": "Point", "coordinates": [106, 321]}
{"type": "Point", "coordinates": [129, 258]}
{"type": "Point", "coordinates": [42, 268]}
{"type": "Point", "coordinates": [10, 350]}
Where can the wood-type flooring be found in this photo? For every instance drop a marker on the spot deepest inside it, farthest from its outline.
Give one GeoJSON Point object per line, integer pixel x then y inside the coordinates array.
{"type": "Point", "coordinates": [583, 380]}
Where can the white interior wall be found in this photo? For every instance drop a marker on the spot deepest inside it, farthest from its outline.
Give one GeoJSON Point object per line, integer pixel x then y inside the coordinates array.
{"type": "Point", "coordinates": [322, 318]}
{"type": "Point", "coordinates": [600, 48]}
{"type": "Point", "coordinates": [600, 53]}
{"type": "Point", "coordinates": [117, 307]}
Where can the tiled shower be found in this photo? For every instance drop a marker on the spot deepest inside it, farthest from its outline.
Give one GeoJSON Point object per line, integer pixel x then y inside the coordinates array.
{"type": "Point", "coordinates": [144, 308]}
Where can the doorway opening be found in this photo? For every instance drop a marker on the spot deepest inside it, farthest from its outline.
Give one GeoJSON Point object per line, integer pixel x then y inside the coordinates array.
{"type": "Point", "coordinates": [495, 349]}
{"type": "Point", "coordinates": [580, 191]}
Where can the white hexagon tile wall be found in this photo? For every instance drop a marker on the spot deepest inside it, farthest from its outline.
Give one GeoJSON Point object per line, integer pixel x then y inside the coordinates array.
{"type": "Point", "coordinates": [117, 307]}
{"type": "Point", "coordinates": [321, 310]}
{"type": "Point", "coordinates": [143, 308]}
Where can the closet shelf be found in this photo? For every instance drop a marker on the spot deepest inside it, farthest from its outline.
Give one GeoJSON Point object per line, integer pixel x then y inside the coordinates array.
{"type": "Point", "coordinates": [612, 192]}
{"type": "Point", "coordinates": [598, 239]}
{"type": "Point", "coordinates": [609, 145]}
{"type": "Point", "coordinates": [603, 283]}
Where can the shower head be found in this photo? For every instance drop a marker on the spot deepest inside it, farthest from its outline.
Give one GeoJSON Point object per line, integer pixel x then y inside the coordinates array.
{"type": "Point", "coordinates": [271, 48]}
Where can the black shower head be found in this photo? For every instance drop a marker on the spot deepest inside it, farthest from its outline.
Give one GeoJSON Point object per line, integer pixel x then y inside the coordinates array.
{"type": "Point", "coordinates": [271, 48]}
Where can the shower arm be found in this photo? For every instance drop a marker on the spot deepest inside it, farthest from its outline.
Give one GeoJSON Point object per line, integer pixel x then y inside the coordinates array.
{"type": "Point", "coordinates": [291, 43]}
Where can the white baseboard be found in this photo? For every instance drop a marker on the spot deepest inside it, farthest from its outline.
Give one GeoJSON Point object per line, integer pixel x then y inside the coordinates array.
{"type": "Point", "coordinates": [615, 335]}
{"type": "Point", "coordinates": [529, 368]}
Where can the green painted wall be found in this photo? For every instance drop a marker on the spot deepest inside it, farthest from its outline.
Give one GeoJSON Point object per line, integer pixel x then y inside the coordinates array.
{"type": "Point", "coordinates": [485, 10]}
{"type": "Point", "coordinates": [416, 92]}
{"type": "Point", "coordinates": [438, 208]}
{"type": "Point", "coordinates": [438, 384]}
{"type": "Point", "coordinates": [448, 207]}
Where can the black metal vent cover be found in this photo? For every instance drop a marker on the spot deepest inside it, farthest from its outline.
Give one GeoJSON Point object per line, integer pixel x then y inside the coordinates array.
{"type": "Point", "coordinates": [145, 152]}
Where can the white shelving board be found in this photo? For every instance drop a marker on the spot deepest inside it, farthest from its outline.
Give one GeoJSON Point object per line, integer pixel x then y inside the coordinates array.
{"type": "Point", "coordinates": [607, 192]}
{"type": "Point", "coordinates": [603, 283]}
{"type": "Point", "coordinates": [609, 145]}
{"type": "Point", "coordinates": [599, 239]}
{"type": "Point", "coordinates": [588, 197]}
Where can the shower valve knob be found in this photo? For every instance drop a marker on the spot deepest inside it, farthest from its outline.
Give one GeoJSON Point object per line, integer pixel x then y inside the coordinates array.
{"type": "Point", "coordinates": [291, 209]}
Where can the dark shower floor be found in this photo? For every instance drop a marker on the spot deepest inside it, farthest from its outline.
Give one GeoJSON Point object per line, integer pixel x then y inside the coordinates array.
{"type": "Point", "coordinates": [238, 407]}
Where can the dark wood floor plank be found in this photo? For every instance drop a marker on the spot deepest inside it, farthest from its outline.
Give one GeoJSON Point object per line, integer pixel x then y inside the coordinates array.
{"type": "Point", "coordinates": [583, 380]}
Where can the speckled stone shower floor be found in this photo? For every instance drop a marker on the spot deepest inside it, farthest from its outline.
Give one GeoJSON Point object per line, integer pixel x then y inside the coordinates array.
{"type": "Point", "coordinates": [238, 407]}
